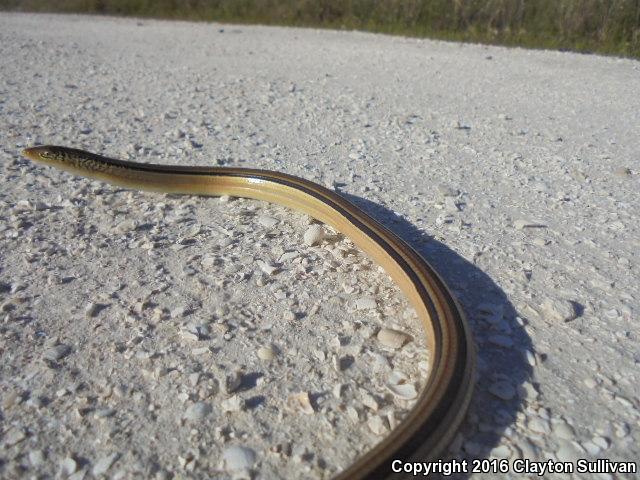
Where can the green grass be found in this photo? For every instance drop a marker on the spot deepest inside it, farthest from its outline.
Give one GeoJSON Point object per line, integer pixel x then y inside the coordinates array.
{"type": "Point", "coordinates": [602, 26]}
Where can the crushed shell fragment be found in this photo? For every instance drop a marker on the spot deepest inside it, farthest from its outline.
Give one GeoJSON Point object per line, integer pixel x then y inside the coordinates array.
{"type": "Point", "coordinates": [300, 402]}
{"type": "Point", "coordinates": [314, 234]}
{"type": "Point", "coordinates": [267, 267]}
{"type": "Point", "coordinates": [366, 303]}
{"type": "Point", "coordinates": [391, 338]}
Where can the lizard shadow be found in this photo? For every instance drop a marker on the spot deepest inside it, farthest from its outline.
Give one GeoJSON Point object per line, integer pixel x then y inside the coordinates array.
{"type": "Point", "coordinates": [500, 339]}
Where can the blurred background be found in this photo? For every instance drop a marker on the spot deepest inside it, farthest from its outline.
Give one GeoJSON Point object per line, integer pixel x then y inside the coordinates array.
{"type": "Point", "coordinates": [602, 26]}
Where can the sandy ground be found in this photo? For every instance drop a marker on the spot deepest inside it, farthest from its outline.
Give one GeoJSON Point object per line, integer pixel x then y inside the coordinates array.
{"type": "Point", "coordinates": [147, 336]}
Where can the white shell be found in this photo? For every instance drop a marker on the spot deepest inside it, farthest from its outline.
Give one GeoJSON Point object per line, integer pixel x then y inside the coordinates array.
{"type": "Point", "coordinates": [314, 234]}
{"type": "Point", "coordinates": [266, 353]}
{"type": "Point", "coordinates": [391, 338]}
{"type": "Point", "coordinates": [369, 401]}
{"type": "Point", "coordinates": [238, 458]}
{"type": "Point", "coordinates": [406, 391]}
{"type": "Point", "coordinates": [397, 377]}
{"type": "Point", "coordinates": [376, 424]}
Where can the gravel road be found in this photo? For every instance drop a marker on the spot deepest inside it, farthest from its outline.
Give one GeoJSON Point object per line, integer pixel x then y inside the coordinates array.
{"type": "Point", "coordinates": [154, 336]}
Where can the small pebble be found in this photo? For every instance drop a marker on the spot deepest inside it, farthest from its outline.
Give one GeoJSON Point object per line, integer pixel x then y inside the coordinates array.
{"type": "Point", "coordinates": [622, 430]}
{"type": "Point", "coordinates": [337, 390]}
{"type": "Point", "coordinates": [521, 224]}
{"type": "Point", "coordinates": [450, 205]}
{"type": "Point", "coordinates": [559, 310]}
{"type": "Point", "coordinates": [528, 449]}
{"type": "Point", "coordinates": [188, 334]}
{"type": "Point", "coordinates": [622, 172]}
{"type": "Point", "coordinates": [300, 402]}
{"type": "Point", "coordinates": [601, 442]}
{"type": "Point", "coordinates": [536, 424]}
{"type": "Point", "coordinates": [447, 191]}
{"type": "Point", "coordinates": [531, 357]}
{"type": "Point", "coordinates": [57, 353]}
{"type": "Point", "coordinates": [368, 400]}
{"type": "Point", "coordinates": [591, 448]}
{"type": "Point", "coordinates": [232, 381]}
{"type": "Point", "coordinates": [501, 451]}
{"type": "Point", "coordinates": [92, 309]}
{"type": "Point", "coordinates": [624, 402]}
{"type": "Point", "coordinates": [237, 458]}
{"type": "Point", "coordinates": [232, 404]}
{"type": "Point", "coordinates": [267, 267]}
{"type": "Point", "coordinates": [36, 457]}
{"type": "Point", "coordinates": [566, 451]}
{"type": "Point", "coordinates": [267, 221]}
{"type": "Point", "coordinates": [104, 413]}
{"type": "Point", "coordinates": [102, 466]}
{"type": "Point", "coordinates": [503, 390]}
{"type": "Point", "coordinates": [353, 415]}
{"type": "Point", "coordinates": [68, 466]}
{"type": "Point", "coordinates": [194, 378]}
{"type": "Point", "coordinates": [563, 430]}
{"type": "Point", "coordinates": [11, 399]}
{"type": "Point", "coordinates": [198, 411]}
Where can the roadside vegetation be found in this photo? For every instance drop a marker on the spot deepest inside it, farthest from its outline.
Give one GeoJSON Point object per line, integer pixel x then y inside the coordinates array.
{"type": "Point", "coordinates": [602, 26]}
